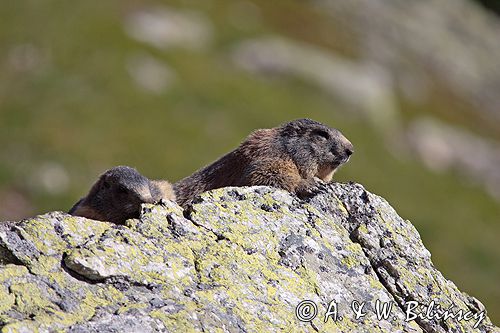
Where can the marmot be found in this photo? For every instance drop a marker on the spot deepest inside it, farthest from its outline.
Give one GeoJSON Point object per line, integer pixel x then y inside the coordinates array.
{"type": "Point", "coordinates": [289, 157]}
{"type": "Point", "coordinates": [118, 194]}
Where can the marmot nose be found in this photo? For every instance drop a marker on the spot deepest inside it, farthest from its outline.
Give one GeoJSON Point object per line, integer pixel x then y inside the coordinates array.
{"type": "Point", "coordinates": [349, 151]}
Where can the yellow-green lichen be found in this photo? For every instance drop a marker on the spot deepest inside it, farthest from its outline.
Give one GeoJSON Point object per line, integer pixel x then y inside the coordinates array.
{"type": "Point", "coordinates": [30, 299]}
{"type": "Point", "coordinates": [11, 271]}
{"type": "Point", "coordinates": [6, 299]}
{"type": "Point", "coordinates": [350, 262]}
{"type": "Point", "coordinates": [131, 306]}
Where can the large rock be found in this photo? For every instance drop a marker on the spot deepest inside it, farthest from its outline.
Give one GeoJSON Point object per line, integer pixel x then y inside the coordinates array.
{"type": "Point", "coordinates": [238, 260]}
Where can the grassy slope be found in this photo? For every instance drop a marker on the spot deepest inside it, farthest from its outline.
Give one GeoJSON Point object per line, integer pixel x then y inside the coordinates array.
{"type": "Point", "coordinates": [83, 111]}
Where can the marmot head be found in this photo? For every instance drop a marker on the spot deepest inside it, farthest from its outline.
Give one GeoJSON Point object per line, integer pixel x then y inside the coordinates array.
{"type": "Point", "coordinates": [315, 147]}
{"type": "Point", "coordinates": [119, 193]}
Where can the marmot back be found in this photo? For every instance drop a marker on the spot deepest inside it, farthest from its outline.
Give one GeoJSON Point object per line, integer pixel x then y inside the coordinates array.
{"type": "Point", "coordinates": [118, 194]}
{"type": "Point", "coordinates": [288, 157]}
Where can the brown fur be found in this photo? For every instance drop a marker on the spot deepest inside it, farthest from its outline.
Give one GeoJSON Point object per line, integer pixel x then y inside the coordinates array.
{"type": "Point", "coordinates": [82, 210]}
{"type": "Point", "coordinates": [288, 157]}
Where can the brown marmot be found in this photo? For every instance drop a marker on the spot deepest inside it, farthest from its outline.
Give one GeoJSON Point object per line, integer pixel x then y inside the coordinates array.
{"type": "Point", "coordinates": [118, 194]}
{"type": "Point", "coordinates": [289, 157]}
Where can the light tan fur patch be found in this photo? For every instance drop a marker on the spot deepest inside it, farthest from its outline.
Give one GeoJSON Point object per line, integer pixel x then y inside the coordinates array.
{"type": "Point", "coordinates": [166, 189]}
{"type": "Point", "coordinates": [325, 173]}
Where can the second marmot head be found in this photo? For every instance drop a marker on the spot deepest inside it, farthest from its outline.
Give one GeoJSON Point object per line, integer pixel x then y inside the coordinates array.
{"type": "Point", "coordinates": [118, 194]}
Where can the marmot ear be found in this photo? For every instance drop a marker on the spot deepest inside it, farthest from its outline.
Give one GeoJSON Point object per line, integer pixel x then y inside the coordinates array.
{"type": "Point", "coordinates": [105, 182]}
{"type": "Point", "coordinates": [293, 129]}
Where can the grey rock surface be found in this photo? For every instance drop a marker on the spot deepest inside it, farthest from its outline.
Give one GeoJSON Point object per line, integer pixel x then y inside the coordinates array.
{"type": "Point", "coordinates": [237, 260]}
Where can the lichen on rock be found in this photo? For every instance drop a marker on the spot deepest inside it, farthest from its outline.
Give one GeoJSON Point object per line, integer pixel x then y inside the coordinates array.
{"type": "Point", "coordinates": [237, 260]}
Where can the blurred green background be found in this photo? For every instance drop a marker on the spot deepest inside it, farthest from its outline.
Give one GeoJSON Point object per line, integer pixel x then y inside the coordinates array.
{"type": "Point", "coordinates": [169, 86]}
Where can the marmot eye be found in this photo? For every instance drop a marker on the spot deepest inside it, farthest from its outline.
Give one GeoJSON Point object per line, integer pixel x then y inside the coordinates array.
{"type": "Point", "coordinates": [322, 134]}
{"type": "Point", "coordinates": [106, 185]}
{"type": "Point", "coordinates": [122, 189]}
